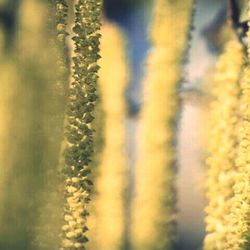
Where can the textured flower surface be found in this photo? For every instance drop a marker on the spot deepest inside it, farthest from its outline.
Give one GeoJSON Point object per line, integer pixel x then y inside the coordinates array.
{"type": "Point", "coordinates": [79, 131]}
{"type": "Point", "coordinates": [239, 220]}
{"type": "Point", "coordinates": [222, 144]}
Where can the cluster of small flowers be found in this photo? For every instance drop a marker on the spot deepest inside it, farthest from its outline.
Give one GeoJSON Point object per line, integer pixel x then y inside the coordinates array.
{"type": "Point", "coordinates": [222, 145]}
{"type": "Point", "coordinates": [61, 35]}
{"type": "Point", "coordinates": [79, 132]}
{"type": "Point", "coordinates": [239, 223]}
{"type": "Point", "coordinates": [76, 221]}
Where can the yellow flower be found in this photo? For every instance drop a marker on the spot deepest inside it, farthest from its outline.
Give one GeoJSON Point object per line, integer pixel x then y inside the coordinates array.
{"type": "Point", "coordinates": [79, 131]}
{"type": "Point", "coordinates": [222, 145]}
{"type": "Point", "coordinates": [107, 223]}
{"type": "Point", "coordinates": [154, 208]}
{"type": "Point", "coordinates": [239, 221]}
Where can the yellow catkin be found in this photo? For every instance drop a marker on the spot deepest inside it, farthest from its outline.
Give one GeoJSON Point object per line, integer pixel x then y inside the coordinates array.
{"type": "Point", "coordinates": [154, 208]}
{"type": "Point", "coordinates": [239, 222]}
{"type": "Point", "coordinates": [107, 224]}
{"type": "Point", "coordinates": [79, 123]}
{"type": "Point", "coordinates": [8, 78]}
{"type": "Point", "coordinates": [23, 168]}
{"type": "Point", "coordinates": [49, 219]}
{"type": "Point", "coordinates": [222, 144]}
{"type": "Point", "coordinates": [30, 38]}
{"type": "Point", "coordinates": [239, 219]}
{"type": "Point", "coordinates": [35, 129]}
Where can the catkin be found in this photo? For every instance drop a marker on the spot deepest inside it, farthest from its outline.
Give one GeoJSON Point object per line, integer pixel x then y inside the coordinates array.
{"type": "Point", "coordinates": [49, 219]}
{"type": "Point", "coordinates": [78, 131]}
{"type": "Point", "coordinates": [61, 18]}
{"type": "Point", "coordinates": [108, 205]}
{"type": "Point", "coordinates": [239, 219]}
{"type": "Point", "coordinates": [222, 144]}
{"type": "Point", "coordinates": [239, 222]}
{"type": "Point", "coordinates": [8, 78]}
{"type": "Point", "coordinates": [154, 208]}
{"type": "Point", "coordinates": [35, 117]}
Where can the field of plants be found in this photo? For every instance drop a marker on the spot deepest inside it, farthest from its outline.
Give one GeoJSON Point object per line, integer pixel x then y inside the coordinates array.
{"type": "Point", "coordinates": [75, 172]}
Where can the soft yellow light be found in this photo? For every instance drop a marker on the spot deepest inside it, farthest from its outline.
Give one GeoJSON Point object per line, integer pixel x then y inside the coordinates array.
{"type": "Point", "coordinates": [222, 144]}
{"type": "Point", "coordinates": [154, 208]}
{"type": "Point", "coordinates": [107, 224]}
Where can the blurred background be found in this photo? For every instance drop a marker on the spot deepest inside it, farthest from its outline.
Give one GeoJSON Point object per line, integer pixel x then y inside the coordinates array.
{"type": "Point", "coordinates": [134, 16]}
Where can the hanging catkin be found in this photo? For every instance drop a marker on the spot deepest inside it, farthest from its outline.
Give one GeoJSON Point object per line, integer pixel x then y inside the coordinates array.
{"type": "Point", "coordinates": [79, 132]}
{"type": "Point", "coordinates": [109, 209]}
{"type": "Point", "coordinates": [222, 144]}
{"type": "Point", "coordinates": [154, 208]}
{"type": "Point", "coordinates": [239, 223]}
{"type": "Point", "coordinates": [49, 219]}
{"type": "Point", "coordinates": [61, 18]}
{"type": "Point", "coordinates": [36, 130]}
{"type": "Point", "coordinates": [238, 237]}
